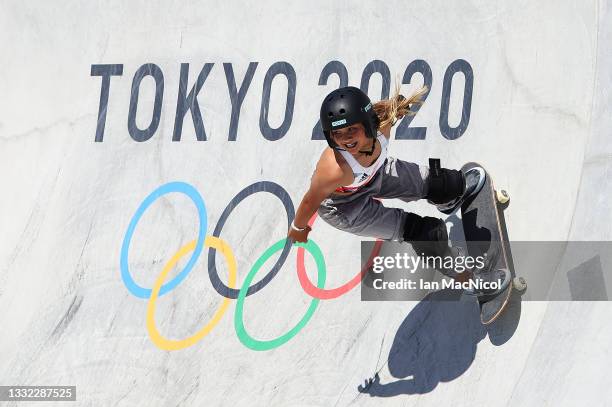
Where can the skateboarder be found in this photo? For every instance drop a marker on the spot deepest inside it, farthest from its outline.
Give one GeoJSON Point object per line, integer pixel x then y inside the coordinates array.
{"type": "Point", "coordinates": [356, 168]}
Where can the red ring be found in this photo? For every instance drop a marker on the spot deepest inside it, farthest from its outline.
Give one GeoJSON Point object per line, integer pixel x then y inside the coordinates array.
{"type": "Point", "coordinates": [327, 294]}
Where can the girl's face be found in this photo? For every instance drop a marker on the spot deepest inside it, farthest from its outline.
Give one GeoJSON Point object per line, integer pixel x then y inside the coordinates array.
{"type": "Point", "coordinates": [351, 138]}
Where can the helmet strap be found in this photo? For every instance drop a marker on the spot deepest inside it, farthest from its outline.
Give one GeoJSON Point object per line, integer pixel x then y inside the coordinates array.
{"type": "Point", "coordinates": [369, 153]}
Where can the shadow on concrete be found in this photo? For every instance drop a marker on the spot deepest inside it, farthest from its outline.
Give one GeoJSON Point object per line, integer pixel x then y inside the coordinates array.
{"type": "Point", "coordinates": [501, 330]}
{"type": "Point", "coordinates": [437, 342]}
{"type": "Point", "coordinates": [438, 339]}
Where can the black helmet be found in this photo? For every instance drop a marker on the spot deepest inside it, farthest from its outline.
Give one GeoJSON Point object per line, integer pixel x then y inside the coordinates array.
{"type": "Point", "coordinates": [344, 107]}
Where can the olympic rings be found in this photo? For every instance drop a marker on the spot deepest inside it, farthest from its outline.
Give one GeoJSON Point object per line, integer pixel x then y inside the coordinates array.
{"type": "Point", "coordinates": [242, 334]}
{"type": "Point", "coordinates": [195, 196]}
{"type": "Point", "coordinates": [169, 344]}
{"type": "Point", "coordinates": [263, 186]}
{"type": "Point", "coordinates": [327, 294]}
{"type": "Point", "coordinates": [229, 292]}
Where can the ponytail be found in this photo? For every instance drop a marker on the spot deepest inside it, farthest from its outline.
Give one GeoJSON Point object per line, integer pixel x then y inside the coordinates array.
{"type": "Point", "coordinates": [392, 109]}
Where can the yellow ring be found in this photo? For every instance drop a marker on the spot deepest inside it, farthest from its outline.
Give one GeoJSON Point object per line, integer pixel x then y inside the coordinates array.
{"type": "Point", "coordinates": [170, 344]}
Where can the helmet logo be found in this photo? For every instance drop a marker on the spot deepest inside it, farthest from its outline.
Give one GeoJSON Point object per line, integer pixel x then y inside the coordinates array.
{"type": "Point", "coordinates": [338, 122]}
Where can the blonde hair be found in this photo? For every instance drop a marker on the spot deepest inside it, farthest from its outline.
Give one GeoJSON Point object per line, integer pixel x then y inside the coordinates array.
{"type": "Point", "coordinates": [389, 111]}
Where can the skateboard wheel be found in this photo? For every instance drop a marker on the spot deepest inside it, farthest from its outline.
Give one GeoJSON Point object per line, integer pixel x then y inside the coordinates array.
{"type": "Point", "coordinates": [502, 196]}
{"type": "Point", "coordinates": [519, 283]}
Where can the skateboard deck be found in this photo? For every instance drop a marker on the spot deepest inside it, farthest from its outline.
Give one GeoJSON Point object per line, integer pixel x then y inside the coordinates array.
{"type": "Point", "coordinates": [486, 235]}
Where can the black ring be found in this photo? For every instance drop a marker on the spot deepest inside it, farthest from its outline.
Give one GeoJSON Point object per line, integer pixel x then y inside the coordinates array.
{"type": "Point", "coordinates": [262, 186]}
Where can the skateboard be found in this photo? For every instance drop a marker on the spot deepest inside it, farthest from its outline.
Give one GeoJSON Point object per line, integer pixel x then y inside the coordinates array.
{"type": "Point", "coordinates": [486, 235]}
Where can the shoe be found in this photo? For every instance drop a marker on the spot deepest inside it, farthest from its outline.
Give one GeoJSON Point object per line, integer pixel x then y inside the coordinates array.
{"type": "Point", "coordinates": [474, 181]}
{"type": "Point", "coordinates": [451, 272]}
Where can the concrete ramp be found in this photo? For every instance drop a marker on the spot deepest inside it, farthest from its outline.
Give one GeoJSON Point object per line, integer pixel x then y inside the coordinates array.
{"type": "Point", "coordinates": [153, 153]}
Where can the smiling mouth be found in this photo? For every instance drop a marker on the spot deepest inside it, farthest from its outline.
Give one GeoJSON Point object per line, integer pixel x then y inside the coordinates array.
{"type": "Point", "coordinates": [350, 145]}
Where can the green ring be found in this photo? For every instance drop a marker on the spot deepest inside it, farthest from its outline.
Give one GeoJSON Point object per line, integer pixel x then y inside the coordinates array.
{"type": "Point", "coordinates": [246, 339]}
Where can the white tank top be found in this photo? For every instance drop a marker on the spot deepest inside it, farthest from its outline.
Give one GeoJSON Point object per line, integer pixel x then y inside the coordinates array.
{"type": "Point", "coordinates": [362, 174]}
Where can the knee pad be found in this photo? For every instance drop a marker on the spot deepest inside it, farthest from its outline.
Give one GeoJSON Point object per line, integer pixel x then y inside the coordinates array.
{"type": "Point", "coordinates": [443, 185]}
{"type": "Point", "coordinates": [424, 229]}
{"type": "Point", "coordinates": [427, 235]}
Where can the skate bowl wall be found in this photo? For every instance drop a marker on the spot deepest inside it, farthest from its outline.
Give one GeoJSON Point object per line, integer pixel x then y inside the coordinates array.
{"type": "Point", "coordinates": [130, 130]}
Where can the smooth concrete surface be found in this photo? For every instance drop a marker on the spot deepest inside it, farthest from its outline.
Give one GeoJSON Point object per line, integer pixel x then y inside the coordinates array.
{"type": "Point", "coordinates": [539, 121]}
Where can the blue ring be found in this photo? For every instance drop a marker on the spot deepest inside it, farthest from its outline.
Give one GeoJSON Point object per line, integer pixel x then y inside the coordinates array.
{"type": "Point", "coordinates": [195, 196]}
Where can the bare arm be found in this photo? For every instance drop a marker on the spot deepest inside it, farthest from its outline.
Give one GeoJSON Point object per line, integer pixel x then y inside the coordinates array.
{"type": "Point", "coordinates": [320, 188]}
{"type": "Point", "coordinates": [326, 178]}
